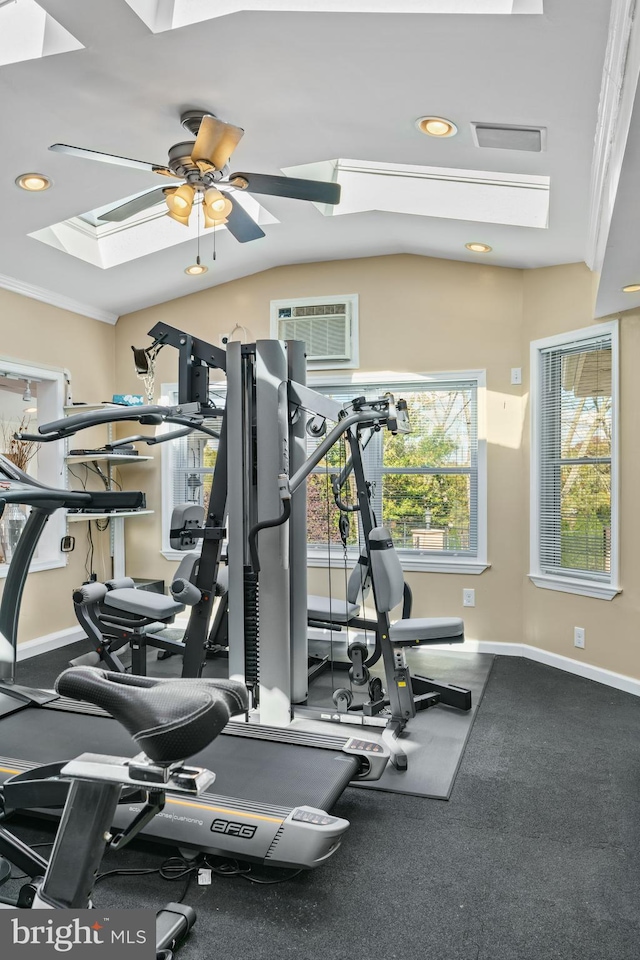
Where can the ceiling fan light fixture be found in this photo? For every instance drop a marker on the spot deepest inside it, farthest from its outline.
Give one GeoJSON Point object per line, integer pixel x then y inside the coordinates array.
{"type": "Point", "coordinates": [181, 200]}
{"type": "Point", "coordinates": [476, 247]}
{"type": "Point", "coordinates": [217, 206]}
{"type": "Point", "coordinates": [437, 127]}
{"type": "Point", "coordinates": [176, 216]}
{"type": "Point", "coordinates": [196, 269]}
{"type": "Point", "coordinates": [33, 182]}
{"type": "Point", "coordinates": [216, 221]}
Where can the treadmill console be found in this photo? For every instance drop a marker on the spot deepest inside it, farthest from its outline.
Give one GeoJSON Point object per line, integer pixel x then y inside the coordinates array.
{"type": "Point", "coordinates": [374, 756]}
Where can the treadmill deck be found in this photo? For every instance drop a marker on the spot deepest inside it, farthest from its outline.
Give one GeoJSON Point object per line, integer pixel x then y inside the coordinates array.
{"type": "Point", "coordinates": [246, 813]}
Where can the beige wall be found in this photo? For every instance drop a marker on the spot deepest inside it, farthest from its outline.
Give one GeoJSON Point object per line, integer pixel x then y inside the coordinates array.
{"type": "Point", "coordinates": [418, 315]}
{"type": "Point", "coordinates": [426, 315]}
{"type": "Point", "coordinates": [38, 333]}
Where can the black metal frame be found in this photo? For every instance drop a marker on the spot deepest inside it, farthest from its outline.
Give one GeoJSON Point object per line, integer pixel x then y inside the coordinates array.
{"type": "Point", "coordinates": [405, 694]}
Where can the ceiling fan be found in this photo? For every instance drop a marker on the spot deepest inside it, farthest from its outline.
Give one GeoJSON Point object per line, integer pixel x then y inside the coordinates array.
{"type": "Point", "coordinates": [201, 167]}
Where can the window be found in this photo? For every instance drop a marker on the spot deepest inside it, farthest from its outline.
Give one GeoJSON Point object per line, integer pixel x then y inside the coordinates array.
{"type": "Point", "coordinates": [574, 536]}
{"type": "Point", "coordinates": [428, 487]}
{"type": "Point", "coordinates": [30, 395]}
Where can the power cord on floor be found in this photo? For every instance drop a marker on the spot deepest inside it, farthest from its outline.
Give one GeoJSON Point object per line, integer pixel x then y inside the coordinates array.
{"type": "Point", "coordinates": [175, 868]}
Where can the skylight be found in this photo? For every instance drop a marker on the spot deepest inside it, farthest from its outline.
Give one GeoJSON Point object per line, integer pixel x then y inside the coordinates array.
{"type": "Point", "coordinates": [27, 32]}
{"type": "Point", "coordinates": [160, 15]}
{"type": "Point", "coordinates": [107, 245]}
{"type": "Point", "coordinates": [477, 195]}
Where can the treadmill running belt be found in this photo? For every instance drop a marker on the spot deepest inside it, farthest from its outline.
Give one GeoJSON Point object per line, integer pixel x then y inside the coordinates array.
{"type": "Point", "coordinates": [272, 773]}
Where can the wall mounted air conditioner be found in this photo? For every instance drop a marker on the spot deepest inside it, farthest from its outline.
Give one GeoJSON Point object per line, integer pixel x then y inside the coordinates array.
{"type": "Point", "coordinates": [327, 325]}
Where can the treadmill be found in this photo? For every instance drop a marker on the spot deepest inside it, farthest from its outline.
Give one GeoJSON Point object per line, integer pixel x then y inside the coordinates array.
{"type": "Point", "coordinates": [274, 790]}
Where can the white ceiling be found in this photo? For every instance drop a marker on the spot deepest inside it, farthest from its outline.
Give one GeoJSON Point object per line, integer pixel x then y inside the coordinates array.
{"type": "Point", "coordinates": [306, 87]}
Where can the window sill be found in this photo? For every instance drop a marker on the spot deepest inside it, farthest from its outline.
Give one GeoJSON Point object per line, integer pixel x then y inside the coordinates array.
{"type": "Point", "coordinates": [36, 566]}
{"type": "Point", "coordinates": [584, 588]}
{"type": "Point", "coordinates": [422, 565]}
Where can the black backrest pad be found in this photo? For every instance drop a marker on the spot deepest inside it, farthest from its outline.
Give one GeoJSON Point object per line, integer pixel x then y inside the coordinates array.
{"type": "Point", "coordinates": [185, 516]}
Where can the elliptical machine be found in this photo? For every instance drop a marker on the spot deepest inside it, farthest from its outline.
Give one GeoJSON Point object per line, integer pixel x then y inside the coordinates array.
{"type": "Point", "coordinates": [166, 718]}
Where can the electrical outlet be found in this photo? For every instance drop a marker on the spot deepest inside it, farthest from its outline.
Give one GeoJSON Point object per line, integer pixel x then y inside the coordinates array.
{"type": "Point", "coordinates": [516, 375]}
{"type": "Point", "coordinates": [578, 637]}
{"type": "Point", "coordinates": [468, 598]}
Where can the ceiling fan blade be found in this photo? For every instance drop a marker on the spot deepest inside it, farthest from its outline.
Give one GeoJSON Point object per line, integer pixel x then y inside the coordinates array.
{"type": "Point", "coordinates": [216, 141]}
{"type": "Point", "coordinates": [319, 191]}
{"type": "Point", "coordinates": [242, 226]}
{"type": "Point", "coordinates": [125, 210]}
{"type": "Point", "coordinates": [109, 158]}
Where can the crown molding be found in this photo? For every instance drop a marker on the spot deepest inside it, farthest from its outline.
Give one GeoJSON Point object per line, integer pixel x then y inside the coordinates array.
{"type": "Point", "coordinates": [56, 299]}
{"type": "Point", "coordinates": [617, 95]}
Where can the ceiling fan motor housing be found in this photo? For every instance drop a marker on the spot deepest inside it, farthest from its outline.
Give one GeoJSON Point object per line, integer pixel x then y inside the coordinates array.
{"type": "Point", "coordinates": [192, 119]}
{"type": "Point", "coordinates": [181, 163]}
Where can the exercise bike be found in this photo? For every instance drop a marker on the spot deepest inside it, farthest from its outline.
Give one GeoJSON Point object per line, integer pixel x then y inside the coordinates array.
{"type": "Point", "coordinates": [170, 720]}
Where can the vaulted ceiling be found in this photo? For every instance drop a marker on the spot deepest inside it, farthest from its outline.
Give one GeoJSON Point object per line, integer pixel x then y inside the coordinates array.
{"type": "Point", "coordinates": [309, 87]}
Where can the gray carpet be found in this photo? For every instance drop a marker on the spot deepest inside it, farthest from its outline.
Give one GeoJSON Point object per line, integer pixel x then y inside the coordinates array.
{"type": "Point", "coordinates": [535, 857]}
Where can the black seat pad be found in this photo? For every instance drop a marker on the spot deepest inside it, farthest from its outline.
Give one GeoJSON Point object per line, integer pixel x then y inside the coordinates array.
{"type": "Point", "coordinates": [170, 720]}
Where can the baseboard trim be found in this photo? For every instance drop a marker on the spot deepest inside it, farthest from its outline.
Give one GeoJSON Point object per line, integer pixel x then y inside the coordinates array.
{"type": "Point", "coordinates": [587, 670]}
{"type": "Point", "coordinates": [62, 638]}
{"type": "Point", "coordinates": [50, 641]}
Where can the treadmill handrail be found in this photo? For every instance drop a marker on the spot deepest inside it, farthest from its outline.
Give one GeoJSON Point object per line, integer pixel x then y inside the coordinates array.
{"type": "Point", "coordinates": [42, 496]}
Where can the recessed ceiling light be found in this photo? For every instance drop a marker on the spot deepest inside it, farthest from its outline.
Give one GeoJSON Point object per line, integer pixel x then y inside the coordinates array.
{"type": "Point", "coordinates": [196, 269]}
{"type": "Point", "coordinates": [436, 126]}
{"type": "Point", "coordinates": [631, 288]}
{"type": "Point", "coordinates": [34, 182]}
{"type": "Point", "coordinates": [478, 247]}
{"type": "Point", "coordinates": [31, 410]}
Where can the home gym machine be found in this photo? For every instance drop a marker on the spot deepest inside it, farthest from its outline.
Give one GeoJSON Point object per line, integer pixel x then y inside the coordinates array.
{"type": "Point", "coordinates": [259, 487]}
{"type": "Point", "coordinates": [270, 413]}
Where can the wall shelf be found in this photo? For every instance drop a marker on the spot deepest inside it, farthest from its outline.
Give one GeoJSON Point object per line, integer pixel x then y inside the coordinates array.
{"type": "Point", "coordinates": [79, 407]}
{"type": "Point", "coordinates": [108, 457]}
{"type": "Point", "coordinates": [114, 515]}
{"type": "Point", "coordinates": [111, 460]}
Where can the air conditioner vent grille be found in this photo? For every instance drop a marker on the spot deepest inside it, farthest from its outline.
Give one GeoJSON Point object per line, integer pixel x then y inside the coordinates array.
{"type": "Point", "coordinates": [327, 325]}
{"type": "Point", "coordinates": [325, 337]}
{"type": "Point", "coordinates": [319, 310]}
{"type": "Point", "coordinates": [509, 137]}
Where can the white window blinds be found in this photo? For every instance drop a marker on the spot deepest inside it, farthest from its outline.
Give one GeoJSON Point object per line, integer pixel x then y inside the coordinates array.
{"type": "Point", "coordinates": [575, 458]}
